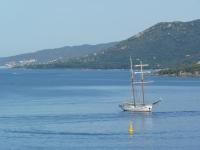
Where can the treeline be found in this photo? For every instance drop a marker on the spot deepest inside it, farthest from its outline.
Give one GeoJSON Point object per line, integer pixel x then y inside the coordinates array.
{"type": "Point", "coordinates": [183, 70]}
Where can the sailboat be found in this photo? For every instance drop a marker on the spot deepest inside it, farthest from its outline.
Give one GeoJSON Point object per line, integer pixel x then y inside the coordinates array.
{"type": "Point", "coordinates": [133, 105]}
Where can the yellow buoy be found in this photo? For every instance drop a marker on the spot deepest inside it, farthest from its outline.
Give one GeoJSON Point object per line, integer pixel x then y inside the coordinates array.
{"type": "Point", "coordinates": [130, 129]}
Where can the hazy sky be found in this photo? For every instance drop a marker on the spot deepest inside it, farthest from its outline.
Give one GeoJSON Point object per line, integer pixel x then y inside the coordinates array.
{"type": "Point", "coordinates": [30, 25]}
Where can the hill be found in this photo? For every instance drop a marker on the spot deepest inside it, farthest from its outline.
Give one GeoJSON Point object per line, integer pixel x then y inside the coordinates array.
{"type": "Point", "coordinates": [53, 55]}
{"type": "Point", "coordinates": [166, 44]}
{"type": "Point", "coordinates": [178, 42]}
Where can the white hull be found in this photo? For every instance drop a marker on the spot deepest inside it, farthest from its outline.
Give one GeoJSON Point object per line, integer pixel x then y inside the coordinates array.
{"type": "Point", "coordinates": [136, 108]}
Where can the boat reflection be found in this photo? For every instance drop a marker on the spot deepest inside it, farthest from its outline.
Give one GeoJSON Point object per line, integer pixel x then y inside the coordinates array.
{"type": "Point", "coordinates": [139, 123]}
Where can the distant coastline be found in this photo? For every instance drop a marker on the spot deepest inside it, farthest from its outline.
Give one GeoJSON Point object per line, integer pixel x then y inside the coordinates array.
{"type": "Point", "coordinates": [185, 70]}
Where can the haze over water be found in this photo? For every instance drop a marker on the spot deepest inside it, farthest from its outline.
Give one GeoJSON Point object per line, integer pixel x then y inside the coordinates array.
{"type": "Point", "coordinates": [78, 109]}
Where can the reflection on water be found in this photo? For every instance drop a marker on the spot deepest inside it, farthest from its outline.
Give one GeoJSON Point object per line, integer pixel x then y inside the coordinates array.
{"type": "Point", "coordinates": [139, 122]}
{"type": "Point", "coordinates": [130, 129]}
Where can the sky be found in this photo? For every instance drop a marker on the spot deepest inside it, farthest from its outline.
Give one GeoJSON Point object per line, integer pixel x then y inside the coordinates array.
{"type": "Point", "coordinates": [31, 25]}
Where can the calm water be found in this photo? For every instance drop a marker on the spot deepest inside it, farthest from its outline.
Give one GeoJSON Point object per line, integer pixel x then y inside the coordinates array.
{"type": "Point", "coordinates": [78, 109]}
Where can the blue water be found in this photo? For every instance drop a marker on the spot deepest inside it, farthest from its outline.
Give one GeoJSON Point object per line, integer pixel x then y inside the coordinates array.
{"type": "Point", "coordinates": [78, 109]}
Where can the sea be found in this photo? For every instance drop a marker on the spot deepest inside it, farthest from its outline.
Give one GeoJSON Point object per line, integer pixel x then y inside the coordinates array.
{"type": "Point", "coordinates": [63, 109]}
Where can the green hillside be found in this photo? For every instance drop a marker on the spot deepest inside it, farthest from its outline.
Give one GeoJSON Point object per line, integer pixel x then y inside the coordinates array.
{"type": "Point", "coordinates": [165, 44]}
{"type": "Point", "coordinates": [57, 54]}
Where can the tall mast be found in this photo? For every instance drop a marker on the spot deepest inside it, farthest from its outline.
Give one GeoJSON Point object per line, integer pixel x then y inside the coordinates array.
{"type": "Point", "coordinates": [142, 81]}
{"type": "Point", "coordinates": [132, 81]}
{"type": "Point", "coordinates": [142, 78]}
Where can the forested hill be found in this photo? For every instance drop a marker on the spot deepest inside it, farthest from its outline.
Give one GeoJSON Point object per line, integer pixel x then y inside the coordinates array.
{"type": "Point", "coordinates": [165, 44]}
{"type": "Point", "coordinates": [52, 55]}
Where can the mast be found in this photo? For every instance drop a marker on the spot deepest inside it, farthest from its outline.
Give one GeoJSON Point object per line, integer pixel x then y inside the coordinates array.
{"type": "Point", "coordinates": [132, 81]}
{"type": "Point", "coordinates": [142, 78]}
{"type": "Point", "coordinates": [142, 81]}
